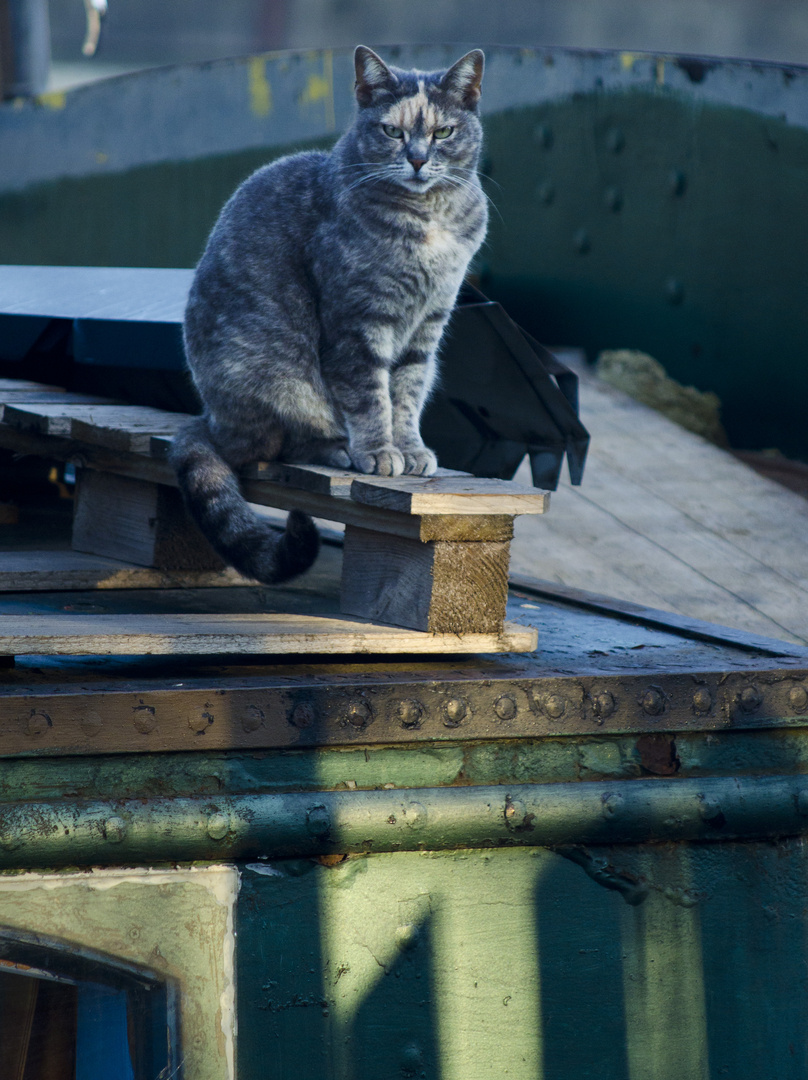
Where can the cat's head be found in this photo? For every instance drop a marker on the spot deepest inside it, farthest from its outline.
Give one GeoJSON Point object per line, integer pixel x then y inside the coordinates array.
{"type": "Point", "coordinates": [419, 128]}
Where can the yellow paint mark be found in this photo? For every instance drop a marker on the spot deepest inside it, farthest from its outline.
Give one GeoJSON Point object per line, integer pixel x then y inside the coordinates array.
{"type": "Point", "coordinates": [660, 72]}
{"type": "Point", "coordinates": [260, 90]}
{"type": "Point", "coordinates": [320, 87]}
{"type": "Point", "coordinates": [628, 59]}
{"type": "Point", "coordinates": [56, 99]}
{"type": "Point", "coordinates": [101, 157]}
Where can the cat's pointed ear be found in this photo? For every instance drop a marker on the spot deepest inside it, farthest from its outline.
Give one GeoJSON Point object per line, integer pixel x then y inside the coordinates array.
{"type": "Point", "coordinates": [372, 75]}
{"type": "Point", "coordinates": [464, 78]}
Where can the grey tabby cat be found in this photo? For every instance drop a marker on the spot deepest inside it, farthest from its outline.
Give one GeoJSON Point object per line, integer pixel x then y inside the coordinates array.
{"type": "Point", "coordinates": [317, 308]}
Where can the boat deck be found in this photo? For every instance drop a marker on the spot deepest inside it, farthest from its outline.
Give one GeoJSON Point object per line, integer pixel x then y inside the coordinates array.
{"type": "Point", "coordinates": [668, 520]}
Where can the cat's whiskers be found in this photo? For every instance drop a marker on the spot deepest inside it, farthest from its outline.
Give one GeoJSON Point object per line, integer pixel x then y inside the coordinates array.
{"type": "Point", "coordinates": [463, 182]}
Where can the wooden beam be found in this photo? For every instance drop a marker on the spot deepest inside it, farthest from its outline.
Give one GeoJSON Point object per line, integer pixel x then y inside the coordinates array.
{"type": "Point", "coordinates": [442, 587]}
{"type": "Point", "coordinates": [138, 522]}
{"type": "Point", "coordinates": [448, 495]}
{"type": "Point", "coordinates": [268, 634]}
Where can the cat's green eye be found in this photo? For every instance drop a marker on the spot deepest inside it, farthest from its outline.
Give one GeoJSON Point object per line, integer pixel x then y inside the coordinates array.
{"type": "Point", "coordinates": [393, 132]}
{"type": "Point", "coordinates": [442, 133]}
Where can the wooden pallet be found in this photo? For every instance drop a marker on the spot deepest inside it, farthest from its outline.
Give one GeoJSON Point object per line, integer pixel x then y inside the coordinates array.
{"type": "Point", "coordinates": [428, 555]}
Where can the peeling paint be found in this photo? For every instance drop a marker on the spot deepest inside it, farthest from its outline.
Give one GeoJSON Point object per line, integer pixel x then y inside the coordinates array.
{"type": "Point", "coordinates": [260, 88]}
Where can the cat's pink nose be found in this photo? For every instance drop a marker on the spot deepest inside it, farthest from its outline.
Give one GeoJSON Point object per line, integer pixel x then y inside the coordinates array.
{"type": "Point", "coordinates": [417, 163]}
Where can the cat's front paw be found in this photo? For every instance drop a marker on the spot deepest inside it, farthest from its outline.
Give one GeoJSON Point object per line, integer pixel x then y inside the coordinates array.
{"type": "Point", "coordinates": [381, 461]}
{"type": "Point", "coordinates": [421, 462]}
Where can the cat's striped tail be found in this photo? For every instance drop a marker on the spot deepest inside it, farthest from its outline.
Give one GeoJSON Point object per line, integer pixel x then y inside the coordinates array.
{"type": "Point", "coordinates": [212, 494]}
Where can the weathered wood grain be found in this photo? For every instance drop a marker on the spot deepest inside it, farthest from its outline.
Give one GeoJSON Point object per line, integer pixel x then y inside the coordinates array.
{"type": "Point", "coordinates": [267, 493]}
{"type": "Point", "coordinates": [53, 571]}
{"type": "Point", "coordinates": [449, 495]}
{"type": "Point", "coordinates": [139, 522]}
{"type": "Point", "coordinates": [128, 428]}
{"type": "Point", "coordinates": [438, 586]}
{"type": "Point", "coordinates": [272, 634]}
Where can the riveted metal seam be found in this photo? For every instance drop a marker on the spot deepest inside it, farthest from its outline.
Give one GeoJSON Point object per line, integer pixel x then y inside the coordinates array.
{"type": "Point", "coordinates": [123, 832]}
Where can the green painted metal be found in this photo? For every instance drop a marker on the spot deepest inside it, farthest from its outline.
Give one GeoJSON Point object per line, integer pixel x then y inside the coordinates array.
{"type": "Point", "coordinates": [297, 824]}
{"type": "Point", "coordinates": [528, 964]}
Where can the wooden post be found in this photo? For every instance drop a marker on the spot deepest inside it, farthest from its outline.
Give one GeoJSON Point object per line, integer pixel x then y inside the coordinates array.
{"type": "Point", "coordinates": [138, 522]}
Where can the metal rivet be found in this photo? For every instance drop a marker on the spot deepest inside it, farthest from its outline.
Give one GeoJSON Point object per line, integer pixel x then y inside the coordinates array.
{"type": "Point", "coordinates": [200, 722]}
{"type": "Point", "coordinates": [252, 718]}
{"type": "Point", "coordinates": [91, 723]}
{"type": "Point", "coordinates": [411, 1059]}
{"type": "Point", "coordinates": [218, 826]}
{"type": "Point", "coordinates": [702, 700]}
{"type": "Point", "coordinates": [546, 192]}
{"type": "Point", "coordinates": [515, 812]}
{"type": "Point", "coordinates": [410, 712]}
{"type": "Point", "coordinates": [358, 714]}
{"type": "Point", "coordinates": [10, 837]}
{"type": "Point", "coordinates": [677, 182]}
{"type": "Point", "coordinates": [144, 719]}
{"type": "Point", "coordinates": [455, 711]}
{"type": "Point", "coordinates": [554, 706]}
{"type": "Point", "coordinates": [505, 707]}
{"type": "Point", "coordinates": [581, 241]}
{"type": "Point", "coordinates": [303, 715]}
{"type": "Point", "coordinates": [604, 704]}
{"type": "Point", "coordinates": [543, 134]}
{"type": "Point", "coordinates": [798, 699]}
{"type": "Point", "coordinates": [709, 809]}
{"type": "Point", "coordinates": [318, 821]}
{"type": "Point", "coordinates": [114, 830]}
{"type": "Point", "coordinates": [613, 198]}
{"type": "Point", "coordinates": [407, 936]}
{"type": "Point", "coordinates": [38, 723]}
{"type": "Point", "coordinates": [653, 701]}
{"type": "Point", "coordinates": [615, 140]}
{"type": "Point", "coordinates": [415, 814]}
{"type": "Point", "coordinates": [674, 291]}
{"type": "Point", "coordinates": [611, 804]}
{"type": "Point", "coordinates": [750, 699]}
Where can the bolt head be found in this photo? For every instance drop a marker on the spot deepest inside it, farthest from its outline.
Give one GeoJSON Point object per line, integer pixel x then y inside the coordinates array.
{"type": "Point", "coordinates": [415, 814]}
{"type": "Point", "coordinates": [218, 826]}
{"type": "Point", "coordinates": [702, 700]}
{"type": "Point", "coordinates": [303, 715]}
{"type": "Point", "coordinates": [455, 711]}
{"type": "Point", "coordinates": [615, 140]}
{"type": "Point", "coordinates": [750, 699]}
{"type": "Point", "coordinates": [252, 718]}
{"type": "Point", "coordinates": [674, 290]}
{"type": "Point", "coordinates": [144, 719]}
{"type": "Point", "coordinates": [505, 707]}
{"type": "Point", "coordinates": [604, 704]}
{"type": "Point", "coordinates": [38, 723]}
{"type": "Point", "coordinates": [407, 936]}
{"type": "Point", "coordinates": [91, 723]}
{"type": "Point", "coordinates": [798, 699]}
{"type": "Point", "coordinates": [515, 812]}
{"type": "Point", "coordinates": [318, 821]}
{"type": "Point", "coordinates": [554, 706]}
{"type": "Point", "coordinates": [543, 134]}
{"type": "Point", "coordinates": [653, 701]}
{"type": "Point", "coordinates": [200, 722]}
{"type": "Point", "coordinates": [410, 713]}
{"type": "Point", "coordinates": [582, 241]}
{"type": "Point", "coordinates": [709, 809]}
{"type": "Point", "coordinates": [546, 192]}
{"type": "Point", "coordinates": [114, 830]}
{"type": "Point", "coordinates": [611, 804]}
{"type": "Point", "coordinates": [358, 714]}
{"type": "Point", "coordinates": [677, 182]}
{"type": "Point", "coordinates": [613, 198]}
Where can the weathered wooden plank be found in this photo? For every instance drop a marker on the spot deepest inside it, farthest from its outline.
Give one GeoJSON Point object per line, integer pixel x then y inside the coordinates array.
{"type": "Point", "coordinates": [53, 571]}
{"type": "Point", "coordinates": [449, 495]}
{"type": "Point", "coordinates": [441, 587]}
{"type": "Point", "coordinates": [138, 522]}
{"type": "Point", "coordinates": [128, 428]}
{"type": "Point", "coordinates": [272, 634]}
{"type": "Point", "coordinates": [26, 384]}
{"type": "Point", "coordinates": [47, 397]}
{"type": "Point", "coordinates": [267, 493]}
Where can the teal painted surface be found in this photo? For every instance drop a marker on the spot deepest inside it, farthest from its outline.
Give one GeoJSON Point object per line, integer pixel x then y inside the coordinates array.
{"type": "Point", "coordinates": [477, 965]}
{"type": "Point", "coordinates": [639, 220]}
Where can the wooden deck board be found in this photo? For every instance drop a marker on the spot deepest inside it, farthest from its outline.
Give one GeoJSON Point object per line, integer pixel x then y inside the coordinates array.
{"type": "Point", "coordinates": [271, 634]}
{"type": "Point", "coordinates": [666, 519]}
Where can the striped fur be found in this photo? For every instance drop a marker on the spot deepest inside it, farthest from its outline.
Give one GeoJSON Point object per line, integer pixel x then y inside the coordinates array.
{"type": "Point", "coordinates": [318, 306]}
